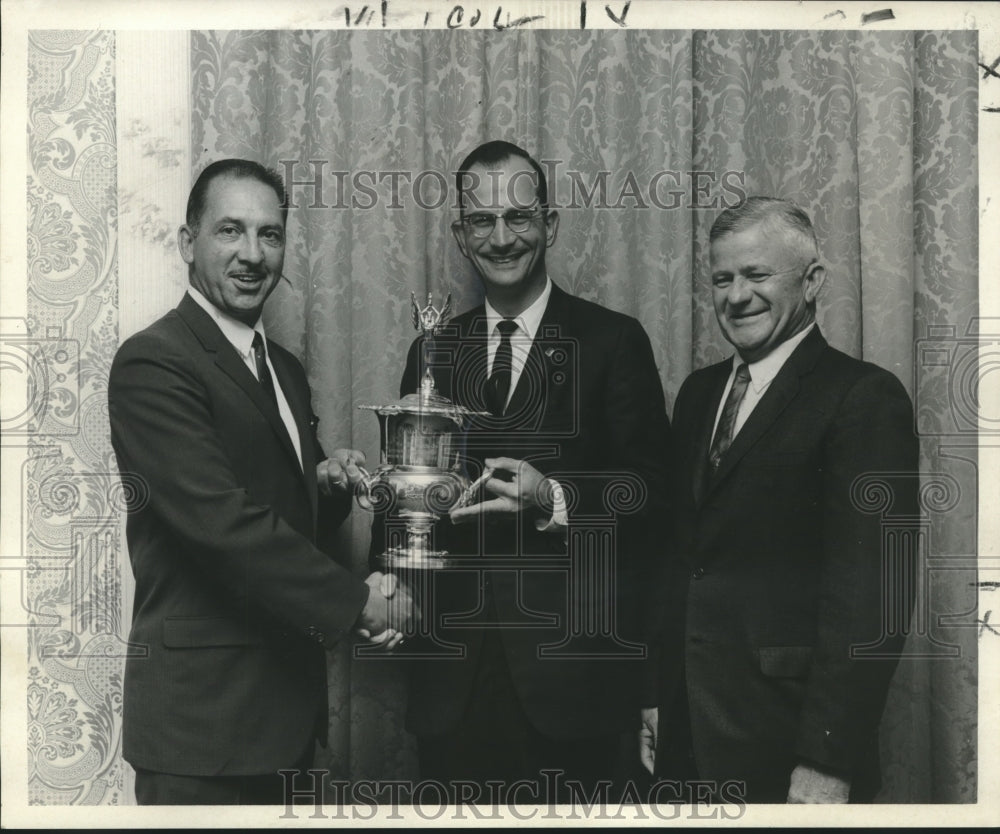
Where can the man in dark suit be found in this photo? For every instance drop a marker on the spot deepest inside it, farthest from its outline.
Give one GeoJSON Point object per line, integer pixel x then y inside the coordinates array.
{"type": "Point", "coordinates": [577, 434]}
{"type": "Point", "coordinates": [234, 602]}
{"type": "Point", "coordinates": [786, 611]}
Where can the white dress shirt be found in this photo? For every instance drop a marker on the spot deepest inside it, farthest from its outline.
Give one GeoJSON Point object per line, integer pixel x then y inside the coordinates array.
{"type": "Point", "coordinates": [521, 341]}
{"type": "Point", "coordinates": [240, 336]}
{"type": "Point", "coordinates": [762, 374]}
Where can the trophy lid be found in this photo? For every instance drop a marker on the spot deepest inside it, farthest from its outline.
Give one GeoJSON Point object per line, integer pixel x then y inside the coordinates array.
{"type": "Point", "coordinates": [426, 402]}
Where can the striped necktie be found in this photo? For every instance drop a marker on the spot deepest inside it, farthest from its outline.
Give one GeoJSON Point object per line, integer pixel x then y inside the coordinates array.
{"type": "Point", "coordinates": [727, 422]}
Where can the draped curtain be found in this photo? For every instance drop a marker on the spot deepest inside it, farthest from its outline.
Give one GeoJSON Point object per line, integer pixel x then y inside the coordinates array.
{"type": "Point", "coordinates": [872, 133]}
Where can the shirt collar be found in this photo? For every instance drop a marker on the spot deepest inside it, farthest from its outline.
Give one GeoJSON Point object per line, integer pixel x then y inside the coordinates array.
{"type": "Point", "coordinates": [529, 319]}
{"type": "Point", "coordinates": [764, 370]}
{"type": "Point", "coordinates": [238, 334]}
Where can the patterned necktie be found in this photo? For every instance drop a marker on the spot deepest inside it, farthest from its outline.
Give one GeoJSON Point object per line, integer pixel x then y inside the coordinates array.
{"type": "Point", "coordinates": [727, 422]}
{"type": "Point", "coordinates": [498, 385]}
{"type": "Point", "coordinates": [263, 372]}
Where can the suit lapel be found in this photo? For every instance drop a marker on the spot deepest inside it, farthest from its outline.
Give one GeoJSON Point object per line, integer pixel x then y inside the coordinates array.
{"type": "Point", "coordinates": [468, 376]}
{"type": "Point", "coordinates": [538, 367]}
{"type": "Point", "coordinates": [535, 393]}
{"type": "Point", "coordinates": [298, 402]}
{"type": "Point", "coordinates": [230, 363]}
{"type": "Point", "coordinates": [779, 394]}
{"type": "Point", "coordinates": [712, 396]}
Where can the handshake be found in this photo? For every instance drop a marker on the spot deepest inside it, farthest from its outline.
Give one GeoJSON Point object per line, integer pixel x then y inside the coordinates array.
{"type": "Point", "coordinates": [390, 614]}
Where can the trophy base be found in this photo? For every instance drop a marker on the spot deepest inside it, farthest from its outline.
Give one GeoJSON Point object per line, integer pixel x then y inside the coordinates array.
{"type": "Point", "coordinates": [398, 559]}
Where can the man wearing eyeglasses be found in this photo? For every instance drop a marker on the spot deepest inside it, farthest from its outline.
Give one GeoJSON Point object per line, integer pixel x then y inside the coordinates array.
{"type": "Point", "coordinates": [785, 610]}
{"type": "Point", "coordinates": [573, 405]}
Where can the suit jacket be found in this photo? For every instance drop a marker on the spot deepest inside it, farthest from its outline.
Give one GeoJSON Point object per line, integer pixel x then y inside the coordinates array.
{"type": "Point", "coordinates": [234, 603]}
{"type": "Point", "coordinates": [588, 411]}
{"type": "Point", "coordinates": [780, 572]}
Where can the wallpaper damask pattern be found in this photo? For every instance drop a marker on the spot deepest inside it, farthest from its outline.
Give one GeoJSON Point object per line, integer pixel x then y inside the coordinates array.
{"type": "Point", "coordinates": [71, 495]}
{"type": "Point", "coordinates": [873, 133]}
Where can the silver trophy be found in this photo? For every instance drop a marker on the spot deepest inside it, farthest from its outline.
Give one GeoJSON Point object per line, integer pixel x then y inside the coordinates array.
{"type": "Point", "coordinates": [421, 475]}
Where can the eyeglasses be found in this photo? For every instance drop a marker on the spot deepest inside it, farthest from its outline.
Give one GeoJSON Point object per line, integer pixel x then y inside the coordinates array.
{"type": "Point", "coordinates": [482, 223]}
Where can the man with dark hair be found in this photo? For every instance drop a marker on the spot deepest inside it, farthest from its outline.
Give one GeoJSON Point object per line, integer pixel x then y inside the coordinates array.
{"type": "Point", "coordinates": [234, 602]}
{"type": "Point", "coordinates": [484, 159]}
{"type": "Point", "coordinates": [548, 677]}
{"type": "Point", "coordinates": [786, 609]}
{"type": "Point", "coordinates": [234, 169]}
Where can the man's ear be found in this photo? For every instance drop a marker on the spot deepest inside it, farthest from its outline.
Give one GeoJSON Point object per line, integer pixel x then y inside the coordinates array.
{"type": "Point", "coordinates": [551, 228]}
{"type": "Point", "coordinates": [185, 243]}
{"type": "Point", "coordinates": [458, 230]}
{"type": "Point", "coordinates": [813, 282]}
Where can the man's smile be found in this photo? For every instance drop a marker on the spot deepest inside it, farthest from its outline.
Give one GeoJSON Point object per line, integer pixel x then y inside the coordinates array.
{"type": "Point", "coordinates": [505, 259]}
{"type": "Point", "coordinates": [247, 279]}
{"type": "Point", "coordinates": [744, 317]}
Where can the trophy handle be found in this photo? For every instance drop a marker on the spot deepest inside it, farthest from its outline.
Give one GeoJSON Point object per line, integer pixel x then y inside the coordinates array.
{"type": "Point", "coordinates": [470, 491]}
{"type": "Point", "coordinates": [367, 486]}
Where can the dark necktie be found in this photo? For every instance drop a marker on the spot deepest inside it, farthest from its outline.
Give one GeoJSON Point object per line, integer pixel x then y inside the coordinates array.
{"type": "Point", "coordinates": [498, 385]}
{"type": "Point", "coordinates": [727, 422]}
{"type": "Point", "coordinates": [263, 372]}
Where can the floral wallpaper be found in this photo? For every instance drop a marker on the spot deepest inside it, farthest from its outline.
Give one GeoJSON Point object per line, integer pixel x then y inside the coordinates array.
{"type": "Point", "coordinates": [71, 494]}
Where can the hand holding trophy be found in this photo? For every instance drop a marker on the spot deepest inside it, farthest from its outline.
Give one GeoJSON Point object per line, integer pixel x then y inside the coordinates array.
{"type": "Point", "coordinates": [420, 477]}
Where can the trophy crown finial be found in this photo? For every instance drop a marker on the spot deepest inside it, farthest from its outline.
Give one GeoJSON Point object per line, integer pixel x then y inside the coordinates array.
{"type": "Point", "coordinates": [429, 319]}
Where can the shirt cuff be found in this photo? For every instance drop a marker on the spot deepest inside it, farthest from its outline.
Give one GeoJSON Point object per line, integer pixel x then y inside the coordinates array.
{"type": "Point", "coordinates": [559, 520]}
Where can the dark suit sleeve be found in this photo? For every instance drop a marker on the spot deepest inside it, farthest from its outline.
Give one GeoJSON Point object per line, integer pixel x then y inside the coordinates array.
{"type": "Point", "coordinates": [639, 437]}
{"type": "Point", "coordinates": [637, 446]}
{"type": "Point", "coordinates": [664, 603]}
{"type": "Point", "coordinates": [871, 435]}
{"type": "Point", "coordinates": [332, 511]}
{"type": "Point", "coordinates": [409, 383]}
{"type": "Point", "coordinates": [622, 471]}
{"type": "Point", "coordinates": [165, 434]}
